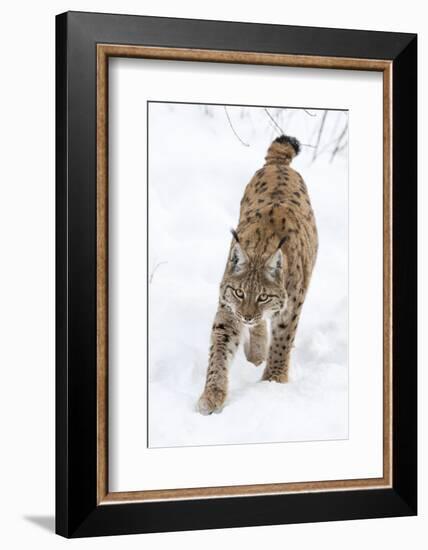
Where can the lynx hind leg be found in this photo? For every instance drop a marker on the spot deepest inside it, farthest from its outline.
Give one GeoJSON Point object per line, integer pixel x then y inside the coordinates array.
{"type": "Point", "coordinates": [255, 347]}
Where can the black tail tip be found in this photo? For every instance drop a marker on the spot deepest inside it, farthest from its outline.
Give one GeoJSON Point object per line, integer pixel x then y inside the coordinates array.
{"type": "Point", "coordinates": [295, 143]}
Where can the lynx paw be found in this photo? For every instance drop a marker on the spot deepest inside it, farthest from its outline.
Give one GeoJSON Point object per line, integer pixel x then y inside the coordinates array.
{"type": "Point", "coordinates": [211, 401]}
{"type": "Point", "coordinates": [254, 354]}
{"type": "Point", "coordinates": [280, 377]}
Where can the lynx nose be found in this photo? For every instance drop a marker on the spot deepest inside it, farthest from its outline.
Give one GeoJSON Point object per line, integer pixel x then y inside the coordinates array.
{"type": "Point", "coordinates": [248, 318]}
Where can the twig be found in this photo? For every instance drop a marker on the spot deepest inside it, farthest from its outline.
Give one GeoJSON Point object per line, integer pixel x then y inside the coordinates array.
{"type": "Point", "coordinates": [341, 148]}
{"type": "Point", "coordinates": [324, 116]}
{"type": "Point", "coordinates": [233, 129]}
{"type": "Point", "coordinates": [339, 145]}
{"type": "Point", "coordinates": [308, 113]}
{"type": "Point", "coordinates": [154, 271]}
{"type": "Point", "coordinates": [280, 129]}
{"type": "Point", "coordinates": [273, 120]}
{"type": "Point", "coordinates": [326, 146]}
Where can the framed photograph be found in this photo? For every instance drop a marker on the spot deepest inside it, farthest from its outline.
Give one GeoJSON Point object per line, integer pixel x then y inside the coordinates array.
{"type": "Point", "coordinates": [236, 274]}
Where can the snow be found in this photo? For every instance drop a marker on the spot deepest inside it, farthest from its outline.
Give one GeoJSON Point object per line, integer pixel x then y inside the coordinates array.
{"type": "Point", "coordinates": [197, 173]}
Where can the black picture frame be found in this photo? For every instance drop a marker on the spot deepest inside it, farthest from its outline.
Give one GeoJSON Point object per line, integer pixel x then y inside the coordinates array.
{"type": "Point", "coordinates": [77, 511]}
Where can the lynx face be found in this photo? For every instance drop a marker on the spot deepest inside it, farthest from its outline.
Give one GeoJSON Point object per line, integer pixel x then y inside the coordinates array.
{"type": "Point", "coordinates": [253, 289]}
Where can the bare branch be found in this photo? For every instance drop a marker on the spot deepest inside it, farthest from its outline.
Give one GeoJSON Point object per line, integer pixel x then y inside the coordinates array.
{"type": "Point", "coordinates": [339, 145]}
{"type": "Point", "coordinates": [321, 128]}
{"type": "Point", "coordinates": [273, 120]}
{"type": "Point", "coordinates": [308, 113]}
{"type": "Point", "coordinates": [327, 146]}
{"type": "Point", "coordinates": [308, 145]}
{"type": "Point", "coordinates": [280, 129]}
{"type": "Point", "coordinates": [154, 271]}
{"type": "Point", "coordinates": [340, 149]}
{"type": "Point", "coordinates": [233, 129]}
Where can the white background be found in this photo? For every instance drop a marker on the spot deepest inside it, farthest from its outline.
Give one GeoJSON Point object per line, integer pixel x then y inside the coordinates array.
{"type": "Point", "coordinates": [360, 455]}
{"type": "Point", "coordinates": [27, 274]}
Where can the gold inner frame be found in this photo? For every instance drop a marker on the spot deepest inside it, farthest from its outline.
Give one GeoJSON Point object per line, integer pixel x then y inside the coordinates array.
{"type": "Point", "coordinates": [104, 51]}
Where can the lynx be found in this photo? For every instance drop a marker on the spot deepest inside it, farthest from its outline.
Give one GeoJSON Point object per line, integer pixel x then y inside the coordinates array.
{"type": "Point", "coordinates": [269, 266]}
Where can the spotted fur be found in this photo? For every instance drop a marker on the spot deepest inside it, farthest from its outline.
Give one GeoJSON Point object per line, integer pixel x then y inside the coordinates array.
{"type": "Point", "coordinates": [270, 262]}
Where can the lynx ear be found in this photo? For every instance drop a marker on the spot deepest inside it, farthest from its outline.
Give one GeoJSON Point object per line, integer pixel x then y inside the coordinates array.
{"type": "Point", "coordinates": [237, 259]}
{"type": "Point", "coordinates": [275, 265]}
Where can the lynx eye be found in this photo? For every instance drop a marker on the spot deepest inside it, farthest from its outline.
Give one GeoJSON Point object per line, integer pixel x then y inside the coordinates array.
{"type": "Point", "coordinates": [238, 293]}
{"type": "Point", "coordinates": [263, 298]}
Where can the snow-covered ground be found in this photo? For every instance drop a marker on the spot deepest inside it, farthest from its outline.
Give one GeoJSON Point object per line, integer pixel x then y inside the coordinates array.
{"type": "Point", "coordinates": [197, 173]}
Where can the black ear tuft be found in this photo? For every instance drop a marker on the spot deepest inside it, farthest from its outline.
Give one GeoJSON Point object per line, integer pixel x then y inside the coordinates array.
{"type": "Point", "coordinates": [295, 143]}
{"type": "Point", "coordinates": [235, 235]}
{"type": "Point", "coordinates": [282, 241]}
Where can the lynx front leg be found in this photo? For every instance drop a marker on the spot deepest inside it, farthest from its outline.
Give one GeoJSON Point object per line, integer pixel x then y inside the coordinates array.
{"type": "Point", "coordinates": [225, 337]}
{"type": "Point", "coordinates": [283, 332]}
{"type": "Point", "coordinates": [255, 347]}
